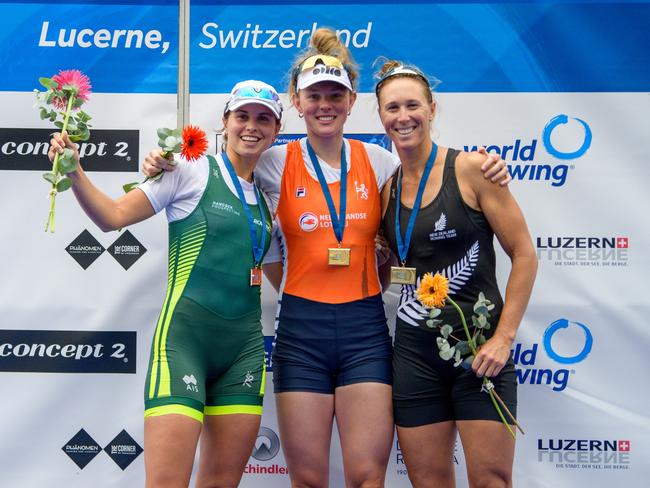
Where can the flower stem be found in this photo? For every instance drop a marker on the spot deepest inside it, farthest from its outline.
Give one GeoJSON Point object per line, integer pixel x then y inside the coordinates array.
{"type": "Point", "coordinates": [55, 171]}
{"type": "Point", "coordinates": [472, 347]}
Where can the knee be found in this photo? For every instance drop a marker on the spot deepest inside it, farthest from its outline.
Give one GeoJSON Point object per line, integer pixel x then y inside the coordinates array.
{"type": "Point", "coordinates": [308, 479]}
{"type": "Point", "coordinates": [439, 477]}
{"type": "Point", "coordinates": [491, 480]}
{"type": "Point", "coordinates": [367, 475]}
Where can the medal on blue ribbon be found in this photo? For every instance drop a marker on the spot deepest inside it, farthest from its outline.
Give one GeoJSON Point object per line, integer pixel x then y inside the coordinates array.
{"type": "Point", "coordinates": [336, 256]}
{"type": "Point", "coordinates": [402, 274]}
{"type": "Point", "coordinates": [257, 245]}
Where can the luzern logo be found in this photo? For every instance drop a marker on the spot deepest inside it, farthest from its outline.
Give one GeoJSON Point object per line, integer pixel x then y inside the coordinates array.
{"type": "Point", "coordinates": [67, 351]}
{"type": "Point", "coordinates": [267, 446]}
{"type": "Point", "coordinates": [526, 359]}
{"type": "Point", "coordinates": [81, 448]}
{"type": "Point", "coordinates": [601, 251]}
{"type": "Point", "coordinates": [559, 132]}
{"type": "Point", "coordinates": [106, 150]}
{"type": "Point", "coordinates": [585, 453]}
{"type": "Point", "coordinates": [123, 450]}
{"type": "Point", "coordinates": [126, 249]}
{"type": "Point", "coordinates": [85, 249]}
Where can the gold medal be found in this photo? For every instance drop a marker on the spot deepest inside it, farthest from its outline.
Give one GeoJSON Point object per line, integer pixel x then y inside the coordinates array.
{"type": "Point", "coordinates": [338, 256]}
{"type": "Point", "coordinates": [402, 275]}
{"type": "Point", "coordinates": [256, 277]}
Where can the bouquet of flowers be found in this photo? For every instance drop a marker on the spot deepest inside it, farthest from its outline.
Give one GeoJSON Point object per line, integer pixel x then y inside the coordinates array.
{"type": "Point", "coordinates": [61, 103]}
{"type": "Point", "coordinates": [432, 293]}
{"type": "Point", "coordinates": [191, 142]}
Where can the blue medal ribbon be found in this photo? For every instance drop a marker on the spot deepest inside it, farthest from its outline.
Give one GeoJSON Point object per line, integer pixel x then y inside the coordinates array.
{"type": "Point", "coordinates": [338, 222]}
{"type": "Point", "coordinates": [258, 247]}
{"type": "Point", "coordinates": [403, 245]}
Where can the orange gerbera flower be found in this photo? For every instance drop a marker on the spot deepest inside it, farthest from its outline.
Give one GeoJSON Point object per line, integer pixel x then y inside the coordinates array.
{"type": "Point", "coordinates": [433, 290]}
{"type": "Point", "coordinates": [194, 144]}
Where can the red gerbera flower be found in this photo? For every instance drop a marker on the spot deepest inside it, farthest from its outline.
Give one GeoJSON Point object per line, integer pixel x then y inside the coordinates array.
{"type": "Point", "coordinates": [74, 81]}
{"type": "Point", "coordinates": [195, 143]}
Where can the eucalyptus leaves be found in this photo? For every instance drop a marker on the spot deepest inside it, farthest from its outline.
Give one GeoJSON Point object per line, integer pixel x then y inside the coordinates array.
{"type": "Point", "coordinates": [433, 292]}
{"type": "Point", "coordinates": [60, 103]}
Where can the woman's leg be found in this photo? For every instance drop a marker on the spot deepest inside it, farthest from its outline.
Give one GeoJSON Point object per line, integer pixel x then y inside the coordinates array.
{"type": "Point", "coordinates": [428, 453]}
{"type": "Point", "coordinates": [226, 445]}
{"type": "Point", "coordinates": [305, 421]}
{"type": "Point", "coordinates": [364, 416]}
{"type": "Point", "coordinates": [489, 452]}
{"type": "Point", "coordinates": [169, 447]}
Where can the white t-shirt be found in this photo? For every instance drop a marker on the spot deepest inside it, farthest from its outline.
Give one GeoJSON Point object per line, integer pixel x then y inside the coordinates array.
{"type": "Point", "coordinates": [180, 191]}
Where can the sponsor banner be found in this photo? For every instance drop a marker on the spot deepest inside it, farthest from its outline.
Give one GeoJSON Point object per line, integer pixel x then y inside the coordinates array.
{"type": "Point", "coordinates": [106, 150]}
{"type": "Point", "coordinates": [67, 351]}
{"type": "Point", "coordinates": [475, 47]}
{"type": "Point", "coordinates": [263, 460]}
{"type": "Point", "coordinates": [82, 449]}
{"type": "Point", "coordinates": [585, 454]}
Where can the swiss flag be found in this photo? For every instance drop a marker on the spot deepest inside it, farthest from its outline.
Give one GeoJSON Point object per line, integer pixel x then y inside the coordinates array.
{"type": "Point", "coordinates": [622, 242]}
{"type": "Point", "coordinates": [624, 446]}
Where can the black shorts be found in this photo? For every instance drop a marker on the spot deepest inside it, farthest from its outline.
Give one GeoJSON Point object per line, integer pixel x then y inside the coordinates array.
{"type": "Point", "coordinates": [321, 346]}
{"type": "Point", "coordinates": [428, 389]}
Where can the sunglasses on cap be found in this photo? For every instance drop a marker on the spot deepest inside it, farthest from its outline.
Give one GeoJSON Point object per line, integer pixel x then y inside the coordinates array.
{"type": "Point", "coordinates": [402, 69]}
{"type": "Point", "coordinates": [252, 91]}
{"type": "Point", "coordinates": [312, 61]}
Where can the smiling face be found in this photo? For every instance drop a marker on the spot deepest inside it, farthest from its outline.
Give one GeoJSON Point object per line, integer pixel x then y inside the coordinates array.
{"type": "Point", "coordinates": [406, 112]}
{"type": "Point", "coordinates": [250, 130]}
{"type": "Point", "coordinates": [325, 106]}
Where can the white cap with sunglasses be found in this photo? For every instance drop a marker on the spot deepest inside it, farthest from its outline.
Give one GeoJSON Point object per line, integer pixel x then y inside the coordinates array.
{"type": "Point", "coordinates": [322, 67]}
{"type": "Point", "coordinates": [254, 91]}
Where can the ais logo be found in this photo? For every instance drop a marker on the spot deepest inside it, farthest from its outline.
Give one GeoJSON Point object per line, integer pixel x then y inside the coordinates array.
{"type": "Point", "coordinates": [564, 139]}
{"type": "Point", "coordinates": [559, 338]}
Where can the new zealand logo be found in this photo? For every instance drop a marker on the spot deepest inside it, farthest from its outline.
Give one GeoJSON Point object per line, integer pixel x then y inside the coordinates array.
{"type": "Point", "coordinates": [440, 230]}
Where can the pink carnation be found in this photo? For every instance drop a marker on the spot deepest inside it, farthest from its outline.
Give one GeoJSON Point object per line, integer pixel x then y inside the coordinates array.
{"type": "Point", "coordinates": [72, 77]}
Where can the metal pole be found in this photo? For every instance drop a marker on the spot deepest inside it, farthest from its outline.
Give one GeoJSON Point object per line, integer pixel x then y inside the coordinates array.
{"type": "Point", "coordinates": [183, 88]}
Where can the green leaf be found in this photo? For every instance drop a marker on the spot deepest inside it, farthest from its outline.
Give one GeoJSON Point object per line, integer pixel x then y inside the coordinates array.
{"type": "Point", "coordinates": [463, 347]}
{"type": "Point", "coordinates": [59, 124]}
{"type": "Point", "coordinates": [445, 330]}
{"type": "Point", "coordinates": [50, 96]}
{"type": "Point", "coordinates": [480, 340]}
{"type": "Point", "coordinates": [64, 184]}
{"type": "Point", "coordinates": [67, 162]}
{"type": "Point", "coordinates": [50, 177]}
{"type": "Point", "coordinates": [482, 321]}
{"type": "Point", "coordinates": [44, 114]}
{"type": "Point", "coordinates": [434, 312]}
{"type": "Point", "coordinates": [71, 89]}
{"type": "Point", "coordinates": [481, 296]}
{"type": "Point", "coordinates": [130, 186]}
{"type": "Point", "coordinates": [433, 323]}
{"type": "Point", "coordinates": [467, 363]}
{"type": "Point", "coordinates": [457, 359]}
{"type": "Point", "coordinates": [83, 116]}
{"type": "Point", "coordinates": [163, 133]}
{"type": "Point", "coordinates": [156, 177]}
{"type": "Point", "coordinates": [442, 343]}
{"type": "Point", "coordinates": [77, 102]}
{"type": "Point", "coordinates": [80, 136]}
{"type": "Point", "coordinates": [47, 82]}
{"type": "Point", "coordinates": [447, 354]}
{"type": "Point", "coordinates": [71, 127]}
{"type": "Point", "coordinates": [480, 308]}
{"type": "Point", "coordinates": [53, 116]}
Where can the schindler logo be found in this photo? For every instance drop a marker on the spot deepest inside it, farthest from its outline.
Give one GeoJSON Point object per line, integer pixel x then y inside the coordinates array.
{"type": "Point", "coordinates": [85, 249]}
{"type": "Point", "coordinates": [81, 449]}
{"type": "Point", "coordinates": [126, 249]}
{"type": "Point", "coordinates": [123, 449]}
{"type": "Point", "coordinates": [106, 150]}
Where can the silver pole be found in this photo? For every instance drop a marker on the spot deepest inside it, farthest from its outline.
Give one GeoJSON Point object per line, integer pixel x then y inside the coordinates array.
{"type": "Point", "coordinates": [183, 88]}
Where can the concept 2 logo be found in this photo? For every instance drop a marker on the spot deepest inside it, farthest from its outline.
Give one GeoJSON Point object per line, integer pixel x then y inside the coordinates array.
{"type": "Point", "coordinates": [558, 135]}
{"type": "Point", "coordinates": [526, 359]}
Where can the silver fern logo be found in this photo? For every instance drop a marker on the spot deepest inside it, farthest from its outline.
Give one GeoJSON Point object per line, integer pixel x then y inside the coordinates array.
{"type": "Point", "coordinates": [440, 230]}
{"type": "Point", "coordinates": [411, 311]}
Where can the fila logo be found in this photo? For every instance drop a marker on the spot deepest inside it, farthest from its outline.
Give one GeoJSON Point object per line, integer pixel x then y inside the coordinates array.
{"type": "Point", "coordinates": [301, 192]}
